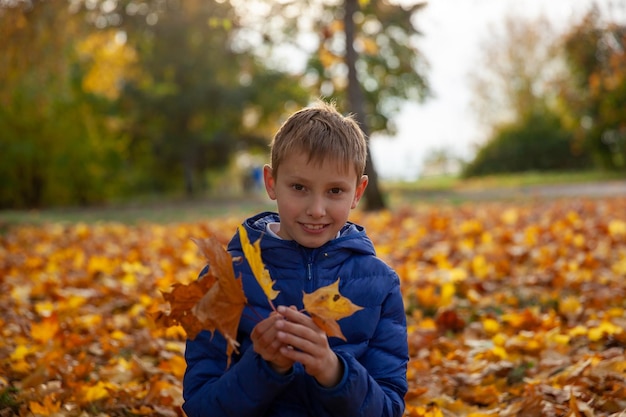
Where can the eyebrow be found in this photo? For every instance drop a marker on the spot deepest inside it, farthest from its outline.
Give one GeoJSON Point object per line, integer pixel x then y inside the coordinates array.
{"type": "Point", "coordinates": [332, 184]}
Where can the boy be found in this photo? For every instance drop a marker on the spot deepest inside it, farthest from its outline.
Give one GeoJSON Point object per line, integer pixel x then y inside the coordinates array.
{"type": "Point", "coordinates": [287, 366]}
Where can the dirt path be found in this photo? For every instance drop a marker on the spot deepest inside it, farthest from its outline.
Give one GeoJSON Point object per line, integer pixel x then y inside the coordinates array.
{"type": "Point", "coordinates": [593, 189]}
{"type": "Point", "coordinates": [599, 189]}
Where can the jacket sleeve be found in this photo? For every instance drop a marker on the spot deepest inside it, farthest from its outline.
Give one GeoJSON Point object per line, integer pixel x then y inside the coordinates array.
{"type": "Point", "coordinates": [247, 388]}
{"type": "Point", "coordinates": [375, 384]}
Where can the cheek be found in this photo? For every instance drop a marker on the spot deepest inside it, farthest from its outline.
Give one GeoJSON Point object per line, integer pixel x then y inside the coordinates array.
{"type": "Point", "coordinates": [286, 205]}
{"type": "Point", "coordinates": [340, 209]}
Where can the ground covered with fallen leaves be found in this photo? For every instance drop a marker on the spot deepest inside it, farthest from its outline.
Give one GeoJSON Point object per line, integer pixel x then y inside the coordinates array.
{"type": "Point", "coordinates": [514, 309]}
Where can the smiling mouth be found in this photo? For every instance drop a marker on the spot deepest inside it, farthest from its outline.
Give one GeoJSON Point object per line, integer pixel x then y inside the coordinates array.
{"type": "Point", "coordinates": [313, 227]}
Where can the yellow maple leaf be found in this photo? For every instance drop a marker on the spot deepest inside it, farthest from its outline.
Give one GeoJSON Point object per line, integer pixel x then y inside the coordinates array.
{"type": "Point", "coordinates": [617, 228]}
{"type": "Point", "coordinates": [326, 305]}
{"type": "Point", "coordinates": [448, 290]}
{"type": "Point", "coordinates": [491, 326]}
{"type": "Point", "coordinates": [603, 329]}
{"type": "Point", "coordinates": [97, 391]}
{"type": "Point", "coordinates": [175, 365]}
{"type": "Point", "coordinates": [252, 252]}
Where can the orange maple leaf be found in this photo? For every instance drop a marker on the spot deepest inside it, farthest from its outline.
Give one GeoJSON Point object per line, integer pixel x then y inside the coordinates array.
{"type": "Point", "coordinates": [326, 305]}
{"type": "Point", "coordinates": [214, 302]}
{"type": "Point", "coordinates": [47, 407]}
{"type": "Point", "coordinates": [252, 252]}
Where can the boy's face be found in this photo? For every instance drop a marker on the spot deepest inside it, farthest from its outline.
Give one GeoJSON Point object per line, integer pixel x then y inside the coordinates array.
{"type": "Point", "coordinates": [313, 201]}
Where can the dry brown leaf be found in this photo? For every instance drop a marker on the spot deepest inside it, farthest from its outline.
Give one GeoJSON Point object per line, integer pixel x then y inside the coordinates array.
{"type": "Point", "coordinates": [213, 302]}
{"type": "Point", "coordinates": [182, 299]}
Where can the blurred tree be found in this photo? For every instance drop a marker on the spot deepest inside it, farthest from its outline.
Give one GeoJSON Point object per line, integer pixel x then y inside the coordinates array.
{"type": "Point", "coordinates": [383, 67]}
{"type": "Point", "coordinates": [536, 143]}
{"type": "Point", "coordinates": [517, 72]}
{"type": "Point", "coordinates": [53, 140]}
{"type": "Point", "coordinates": [595, 98]}
{"type": "Point", "coordinates": [516, 97]}
{"type": "Point", "coordinates": [579, 76]}
{"type": "Point", "coordinates": [361, 54]}
{"type": "Point", "coordinates": [157, 90]}
{"type": "Point", "coordinates": [198, 99]}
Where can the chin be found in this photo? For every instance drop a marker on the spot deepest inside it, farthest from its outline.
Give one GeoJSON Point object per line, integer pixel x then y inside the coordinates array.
{"type": "Point", "coordinates": [312, 243]}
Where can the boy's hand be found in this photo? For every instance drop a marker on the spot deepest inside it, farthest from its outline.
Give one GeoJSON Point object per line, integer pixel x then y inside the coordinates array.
{"type": "Point", "coordinates": [301, 340]}
{"type": "Point", "coordinates": [267, 345]}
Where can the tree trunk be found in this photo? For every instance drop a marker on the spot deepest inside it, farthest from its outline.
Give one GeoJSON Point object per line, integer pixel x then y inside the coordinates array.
{"type": "Point", "coordinates": [373, 196]}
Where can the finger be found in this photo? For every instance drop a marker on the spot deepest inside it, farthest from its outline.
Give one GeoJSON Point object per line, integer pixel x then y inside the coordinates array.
{"type": "Point", "coordinates": [264, 335]}
{"type": "Point", "coordinates": [263, 326]}
{"type": "Point", "coordinates": [295, 355]}
{"type": "Point", "coordinates": [293, 315]}
{"type": "Point", "coordinates": [302, 339]}
{"type": "Point", "coordinates": [314, 360]}
{"type": "Point", "coordinates": [302, 329]}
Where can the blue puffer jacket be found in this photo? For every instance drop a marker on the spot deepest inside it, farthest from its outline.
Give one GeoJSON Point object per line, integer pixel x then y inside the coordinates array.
{"type": "Point", "coordinates": [375, 355]}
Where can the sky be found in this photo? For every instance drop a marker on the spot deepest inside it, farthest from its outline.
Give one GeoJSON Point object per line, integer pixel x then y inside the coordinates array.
{"type": "Point", "coordinates": [453, 31]}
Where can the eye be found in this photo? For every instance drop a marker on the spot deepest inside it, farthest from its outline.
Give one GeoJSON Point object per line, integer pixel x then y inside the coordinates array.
{"type": "Point", "coordinates": [298, 187]}
{"type": "Point", "coordinates": [336, 190]}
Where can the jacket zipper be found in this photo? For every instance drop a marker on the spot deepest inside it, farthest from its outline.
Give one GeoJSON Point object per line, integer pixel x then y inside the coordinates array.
{"type": "Point", "coordinates": [310, 259]}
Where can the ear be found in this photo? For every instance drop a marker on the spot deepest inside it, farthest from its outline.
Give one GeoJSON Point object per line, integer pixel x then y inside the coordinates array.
{"type": "Point", "coordinates": [360, 189]}
{"type": "Point", "coordinates": [270, 183]}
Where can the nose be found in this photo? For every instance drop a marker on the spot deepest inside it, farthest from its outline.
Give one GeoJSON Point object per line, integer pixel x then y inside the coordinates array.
{"type": "Point", "coordinates": [316, 207]}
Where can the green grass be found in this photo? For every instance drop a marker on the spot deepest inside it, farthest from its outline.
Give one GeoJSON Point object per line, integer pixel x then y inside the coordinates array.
{"type": "Point", "coordinates": [165, 211]}
{"type": "Point", "coordinates": [450, 183]}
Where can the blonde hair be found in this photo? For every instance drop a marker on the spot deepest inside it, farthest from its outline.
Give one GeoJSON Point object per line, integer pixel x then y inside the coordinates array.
{"type": "Point", "coordinates": [322, 133]}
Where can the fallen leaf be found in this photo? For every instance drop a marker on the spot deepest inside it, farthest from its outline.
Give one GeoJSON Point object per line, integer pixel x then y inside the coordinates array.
{"type": "Point", "coordinates": [449, 320]}
{"type": "Point", "coordinates": [326, 305]}
{"type": "Point", "coordinates": [46, 408]}
{"type": "Point", "coordinates": [540, 285]}
{"type": "Point", "coordinates": [479, 395]}
{"type": "Point", "coordinates": [45, 330]}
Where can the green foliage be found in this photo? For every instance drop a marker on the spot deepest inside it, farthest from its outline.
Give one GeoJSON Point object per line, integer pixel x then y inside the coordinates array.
{"type": "Point", "coordinates": [565, 119]}
{"type": "Point", "coordinates": [8, 400]}
{"type": "Point", "coordinates": [186, 110]}
{"type": "Point", "coordinates": [100, 103]}
{"type": "Point", "coordinates": [538, 143]}
{"type": "Point", "coordinates": [55, 148]}
{"type": "Point", "coordinates": [595, 100]}
{"type": "Point", "coordinates": [391, 69]}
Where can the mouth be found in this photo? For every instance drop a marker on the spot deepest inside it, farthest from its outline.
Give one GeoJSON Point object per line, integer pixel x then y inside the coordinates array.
{"type": "Point", "coordinates": [314, 227]}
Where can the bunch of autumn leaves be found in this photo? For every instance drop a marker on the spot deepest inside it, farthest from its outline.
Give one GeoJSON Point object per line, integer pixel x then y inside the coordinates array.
{"type": "Point", "coordinates": [216, 300]}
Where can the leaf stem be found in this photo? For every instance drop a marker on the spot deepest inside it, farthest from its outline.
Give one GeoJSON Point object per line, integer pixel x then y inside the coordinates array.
{"type": "Point", "coordinates": [259, 316]}
{"type": "Point", "coordinates": [251, 318]}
